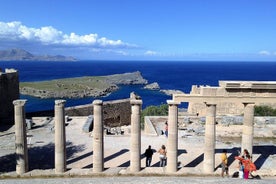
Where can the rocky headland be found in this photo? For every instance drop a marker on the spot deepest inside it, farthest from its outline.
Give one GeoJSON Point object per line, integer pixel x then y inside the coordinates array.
{"type": "Point", "coordinates": [23, 55]}
{"type": "Point", "coordinates": [79, 87]}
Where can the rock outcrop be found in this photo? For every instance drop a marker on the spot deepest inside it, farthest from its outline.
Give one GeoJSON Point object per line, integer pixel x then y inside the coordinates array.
{"type": "Point", "coordinates": [152, 86]}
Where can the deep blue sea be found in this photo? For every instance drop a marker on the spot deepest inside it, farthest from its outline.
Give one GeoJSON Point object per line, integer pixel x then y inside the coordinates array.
{"type": "Point", "coordinates": [169, 74]}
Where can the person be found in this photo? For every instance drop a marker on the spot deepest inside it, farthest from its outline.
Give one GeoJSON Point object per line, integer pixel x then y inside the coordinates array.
{"type": "Point", "coordinates": [148, 154]}
{"type": "Point", "coordinates": [248, 165]}
{"type": "Point", "coordinates": [245, 153]}
{"type": "Point", "coordinates": [166, 129]}
{"type": "Point", "coordinates": [224, 160]}
{"type": "Point", "coordinates": [240, 167]}
{"type": "Point", "coordinates": [162, 155]}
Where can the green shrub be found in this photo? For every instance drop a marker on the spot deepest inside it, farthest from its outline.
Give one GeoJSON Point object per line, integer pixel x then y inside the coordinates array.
{"type": "Point", "coordinates": [264, 111]}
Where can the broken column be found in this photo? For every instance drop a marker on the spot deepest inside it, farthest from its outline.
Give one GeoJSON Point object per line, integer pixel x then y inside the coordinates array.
{"type": "Point", "coordinates": [60, 139]}
{"type": "Point", "coordinates": [210, 139]}
{"type": "Point", "coordinates": [248, 127]}
{"type": "Point", "coordinates": [98, 147]}
{"type": "Point", "coordinates": [172, 143]}
{"type": "Point", "coordinates": [21, 149]}
{"type": "Point", "coordinates": [135, 148]}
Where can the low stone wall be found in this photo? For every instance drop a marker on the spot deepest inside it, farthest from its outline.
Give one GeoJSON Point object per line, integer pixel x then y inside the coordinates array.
{"type": "Point", "coordinates": [264, 126]}
{"type": "Point", "coordinates": [115, 113]}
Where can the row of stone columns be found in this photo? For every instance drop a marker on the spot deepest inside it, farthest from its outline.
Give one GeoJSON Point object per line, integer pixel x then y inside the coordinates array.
{"type": "Point", "coordinates": [135, 148]}
{"type": "Point", "coordinates": [60, 137]}
{"type": "Point", "coordinates": [21, 149]}
{"type": "Point", "coordinates": [210, 135]}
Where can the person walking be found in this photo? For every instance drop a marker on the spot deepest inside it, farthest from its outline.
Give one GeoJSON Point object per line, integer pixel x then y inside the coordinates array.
{"type": "Point", "coordinates": [224, 163]}
{"type": "Point", "coordinates": [166, 129]}
{"type": "Point", "coordinates": [148, 154]}
{"type": "Point", "coordinates": [162, 156]}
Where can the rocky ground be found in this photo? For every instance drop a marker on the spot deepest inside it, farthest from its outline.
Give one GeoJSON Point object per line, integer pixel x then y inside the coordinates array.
{"type": "Point", "coordinates": [117, 150]}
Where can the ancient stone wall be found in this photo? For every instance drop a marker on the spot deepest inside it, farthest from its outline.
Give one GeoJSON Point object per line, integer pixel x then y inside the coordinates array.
{"type": "Point", "coordinates": [232, 88]}
{"type": "Point", "coordinates": [115, 113]}
{"type": "Point", "coordinates": [9, 91]}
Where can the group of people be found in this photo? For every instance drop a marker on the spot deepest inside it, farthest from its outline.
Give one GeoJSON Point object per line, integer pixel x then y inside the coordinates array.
{"type": "Point", "coordinates": [246, 166]}
{"type": "Point", "coordinates": [162, 151]}
{"type": "Point", "coordinates": [162, 156]}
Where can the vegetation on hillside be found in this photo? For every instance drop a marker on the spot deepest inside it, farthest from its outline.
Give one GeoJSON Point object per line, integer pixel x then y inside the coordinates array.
{"type": "Point", "coordinates": [264, 111]}
{"type": "Point", "coordinates": [161, 110]}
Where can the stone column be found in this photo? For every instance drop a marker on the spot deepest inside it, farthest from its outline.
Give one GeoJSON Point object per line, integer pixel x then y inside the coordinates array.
{"type": "Point", "coordinates": [60, 138]}
{"type": "Point", "coordinates": [248, 127]}
{"type": "Point", "coordinates": [210, 139]}
{"type": "Point", "coordinates": [172, 142]}
{"type": "Point", "coordinates": [21, 150]}
{"type": "Point", "coordinates": [135, 148]}
{"type": "Point", "coordinates": [98, 147]}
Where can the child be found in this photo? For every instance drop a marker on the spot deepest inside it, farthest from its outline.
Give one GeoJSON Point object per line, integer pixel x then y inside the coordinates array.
{"type": "Point", "coordinates": [241, 168]}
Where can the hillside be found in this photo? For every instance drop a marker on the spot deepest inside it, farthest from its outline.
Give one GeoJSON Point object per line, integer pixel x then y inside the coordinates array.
{"type": "Point", "coordinates": [23, 55]}
{"type": "Point", "coordinates": [79, 87]}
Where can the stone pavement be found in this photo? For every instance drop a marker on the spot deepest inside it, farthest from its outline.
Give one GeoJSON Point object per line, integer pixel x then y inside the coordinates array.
{"type": "Point", "coordinates": [135, 180]}
{"type": "Point", "coordinates": [117, 155]}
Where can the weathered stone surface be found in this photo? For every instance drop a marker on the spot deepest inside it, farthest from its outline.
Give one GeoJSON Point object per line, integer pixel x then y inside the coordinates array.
{"type": "Point", "coordinates": [9, 91]}
{"type": "Point", "coordinates": [88, 125]}
{"type": "Point", "coordinates": [239, 89]}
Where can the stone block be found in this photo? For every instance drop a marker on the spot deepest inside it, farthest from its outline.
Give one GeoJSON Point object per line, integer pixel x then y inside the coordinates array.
{"type": "Point", "coordinates": [88, 125]}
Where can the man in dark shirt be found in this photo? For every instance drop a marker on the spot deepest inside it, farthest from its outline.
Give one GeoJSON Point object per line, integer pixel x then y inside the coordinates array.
{"type": "Point", "coordinates": [148, 155]}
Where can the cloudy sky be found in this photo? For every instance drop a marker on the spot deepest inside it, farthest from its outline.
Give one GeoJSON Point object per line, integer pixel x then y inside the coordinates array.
{"type": "Point", "coordinates": [142, 29]}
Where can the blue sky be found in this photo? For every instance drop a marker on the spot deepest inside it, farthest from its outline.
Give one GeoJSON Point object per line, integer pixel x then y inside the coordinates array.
{"type": "Point", "coordinates": [142, 29]}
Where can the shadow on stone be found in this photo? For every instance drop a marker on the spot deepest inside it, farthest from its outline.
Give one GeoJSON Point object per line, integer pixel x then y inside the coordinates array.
{"type": "Point", "coordinates": [5, 127]}
{"type": "Point", "coordinates": [265, 152]}
{"type": "Point", "coordinates": [196, 161]}
{"type": "Point", "coordinates": [40, 157]}
{"type": "Point", "coordinates": [110, 157]}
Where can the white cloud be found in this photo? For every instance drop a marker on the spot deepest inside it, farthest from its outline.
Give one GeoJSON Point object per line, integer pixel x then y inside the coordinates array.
{"type": "Point", "coordinates": [17, 32]}
{"type": "Point", "coordinates": [150, 53]}
{"type": "Point", "coordinates": [265, 53]}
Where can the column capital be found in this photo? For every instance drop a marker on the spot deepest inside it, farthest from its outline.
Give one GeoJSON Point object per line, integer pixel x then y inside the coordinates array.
{"type": "Point", "coordinates": [19, 102]}
{"type": "Point", "coordinates": [97, 102]}
{"type": "Point", "coordinates": [136, 102]}
{"type": "Point", "coordinates": [60, 102]}
{"type": "Point", "coordinates": [172, 102]}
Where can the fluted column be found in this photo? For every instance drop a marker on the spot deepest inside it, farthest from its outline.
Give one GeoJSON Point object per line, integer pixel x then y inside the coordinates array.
{"type": "Point", "coordinates": [210, 139]}
{"type": "Point", "coordinates": [248, 127]}
{"type": "Point", "coordinates": [21, 150]}
{"type": "Point", "coordinates": [60, 137]}
{"type": "Point", "coordinates": [98, 146]}
{"type": "Point", "coordinates": [135, 148]}
{"type": "Point", "coordinates": [172, 142]}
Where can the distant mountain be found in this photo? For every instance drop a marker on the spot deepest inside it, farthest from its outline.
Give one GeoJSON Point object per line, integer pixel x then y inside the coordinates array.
{"type": "Point", "coordinates": [22, 55]}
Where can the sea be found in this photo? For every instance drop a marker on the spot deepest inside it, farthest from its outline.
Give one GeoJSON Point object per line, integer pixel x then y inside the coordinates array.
{"type": "Point", "coordinates": [176, 75]}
